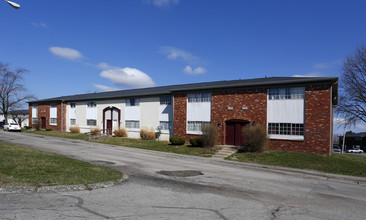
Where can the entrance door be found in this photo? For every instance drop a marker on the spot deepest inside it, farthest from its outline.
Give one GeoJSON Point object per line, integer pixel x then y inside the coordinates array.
{"type": "Point", "coordinates": [109, 127]}
{"type": "Point", "coordinates": [43, 123]}
{"type": "Point", "coordinates": [234, 132]}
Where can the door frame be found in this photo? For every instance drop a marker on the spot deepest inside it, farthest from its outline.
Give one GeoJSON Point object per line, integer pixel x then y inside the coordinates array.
{"type": "Point", "coordinates": [237, 137]}
{"type": "Point", "coordinates": [112, 108]}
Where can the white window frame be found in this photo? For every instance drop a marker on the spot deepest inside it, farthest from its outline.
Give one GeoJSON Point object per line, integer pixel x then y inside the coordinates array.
{"type": "Point", "coordinates": [53, 121]}
{"type": "Point", "coordinates": [135, 123]}
{"type": "Point", "coordinates": [88, 122]}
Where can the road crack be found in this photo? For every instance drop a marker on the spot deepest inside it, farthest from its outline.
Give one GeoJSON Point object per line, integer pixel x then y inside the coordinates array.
{"type": "Point", "coordinates": [80, 205]}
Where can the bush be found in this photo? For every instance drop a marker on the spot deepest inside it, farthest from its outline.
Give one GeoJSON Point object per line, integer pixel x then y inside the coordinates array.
{"type": "Point", "coordinates": [95, 131]}
{"type": "Point", "coordinates": [196, 142]}
{"type": "Point", "coordinates": [121, 132]}
{"type": "Point", "coordinates": [209, 135]}
{"type": "Point", "coordinates": [48, 129]}
{"type": "Point", "coordinates": [27, 127]}
{"type": "Point", "coordinates": [147, 134]}
{"type": "Point", "coordinates": [255, 139]}
{"type": "Point", "coordinates": [75, 129]}
{"type": "Point", "coordinates": [36, 124]}
{"type": "Point", "coordinates": [177, 140]}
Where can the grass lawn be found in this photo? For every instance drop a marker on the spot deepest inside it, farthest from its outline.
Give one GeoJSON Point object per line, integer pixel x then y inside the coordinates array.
{"type": "Point", "coordinates": [345, 164]}
{"type": "Point", "coordinates": [62, 134]}
{"type": "Point", "coordinates": [158, 146]}
{"type": "Point", "coordinates": [21, 166]}
{"type": "Point", "coordinates": [135, 143]}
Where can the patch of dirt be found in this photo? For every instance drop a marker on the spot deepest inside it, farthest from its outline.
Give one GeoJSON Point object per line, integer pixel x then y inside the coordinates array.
{"type": "Point", "coordinates": [180, 173]}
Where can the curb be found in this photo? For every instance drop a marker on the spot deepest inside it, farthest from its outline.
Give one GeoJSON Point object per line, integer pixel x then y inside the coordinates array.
{"type": "Point", "coordinates": [61, 188]}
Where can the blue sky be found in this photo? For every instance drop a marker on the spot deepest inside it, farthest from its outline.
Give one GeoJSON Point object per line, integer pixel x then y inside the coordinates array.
{"type": "Point", "coordinates": [80, 46]}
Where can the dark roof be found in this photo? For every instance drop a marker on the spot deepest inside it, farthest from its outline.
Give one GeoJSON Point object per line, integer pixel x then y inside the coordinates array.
{"type": "Point", "coordinates": [361, 134]}
{"type": "Point", "coordinates": [18, 112]}
{"type": "Point", "coordinates": [161, 90]}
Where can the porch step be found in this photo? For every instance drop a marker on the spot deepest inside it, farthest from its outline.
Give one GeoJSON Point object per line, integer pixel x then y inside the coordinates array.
{"type": "Point", "coordinates": [225, 151]}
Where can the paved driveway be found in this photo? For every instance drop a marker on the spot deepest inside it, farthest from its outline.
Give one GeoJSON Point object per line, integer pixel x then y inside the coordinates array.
{"type": "Point", "coordinates": [224, 191]}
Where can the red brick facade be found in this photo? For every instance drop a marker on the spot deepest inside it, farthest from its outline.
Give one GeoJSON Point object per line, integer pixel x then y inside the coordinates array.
{"type": "Point", "coordinates": [318, 124]}
{"type": "Point", "coordinates": [251, 105]}
{"type": "Point", "coordinates": [43, 113]}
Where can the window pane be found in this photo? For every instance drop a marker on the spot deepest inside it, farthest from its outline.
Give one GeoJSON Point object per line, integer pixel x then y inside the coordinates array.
{"type": "Point", "coordinates": [165, 125]}
{"type": "Point", "coordinates": [72, 121]}
{"type": "Point", "coordinates": [91, 122]}
{"type": "Point", "coordinates": [165, 100]}
{"type": "Point", "coordinates": [133, 124]}
{"type": "Point", "coordinates": [199, 97]}
{"type": "Point", "coordinates": [273, 94]}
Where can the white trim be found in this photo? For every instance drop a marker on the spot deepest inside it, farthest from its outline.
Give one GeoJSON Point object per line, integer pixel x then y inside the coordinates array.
{"type": "Point", "coordinates": [286, 137]}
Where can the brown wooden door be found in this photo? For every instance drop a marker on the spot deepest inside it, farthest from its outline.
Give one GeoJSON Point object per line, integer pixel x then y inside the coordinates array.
{"type": "Point", "coordinates": [43, 123]}
{"type": "Point", "coordinates": [109, 127]}
{"type": "Point", "coordinates": [234, 132]}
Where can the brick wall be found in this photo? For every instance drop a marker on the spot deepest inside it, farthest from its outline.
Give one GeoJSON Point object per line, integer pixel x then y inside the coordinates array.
{"type": "Point", "coordinates": [180, 114]}
{"type": "Point", "coordinates": [44, 112]}
{"type": "Point", "coordinates": [318, 124]}
{"type": "Point", "coordinates": [254, 102]}
{"type": "Point", "coordinates": [318, 116]}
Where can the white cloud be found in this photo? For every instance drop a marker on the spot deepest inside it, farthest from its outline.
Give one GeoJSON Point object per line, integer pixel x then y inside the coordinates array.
{"type": "Point", "coordinates": [311, 74]}
{"type": "Point", "coordinates": [195, 71]}
{"type": "Point", "coordinates": [39, 25]}
{"type": "Point", "coordinates": [163, 3]}
{"type": "Point", "coordinates": [126, 77]}
{"type": "Point", "coordinates": [104, 88]}
{"type": "Point", "coordinates": [66, 53]}
{"type": "Point", "coordinates": [173, 53]}
{"type": "Point", "coordinates": [327, 65]}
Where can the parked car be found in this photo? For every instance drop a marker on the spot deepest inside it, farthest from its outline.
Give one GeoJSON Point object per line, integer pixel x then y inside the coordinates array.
{"type": "Point", "coordinates": [2, 124]}
{"type": "Point", "coordinates": [336, 149]}
{"type": "Point", "coordinates": [355, 150]}
{"type": "Point", "coordinates": [12, 127]}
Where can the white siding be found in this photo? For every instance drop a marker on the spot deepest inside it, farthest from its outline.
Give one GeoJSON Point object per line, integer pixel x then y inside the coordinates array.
{"type": "Point", "coordinates": [34, 111]}
{"type": "Point", "coordinates": [91, 113]}
{"type": "Point", "coordinates": [199, 111]}
{"type": "Point", "coordinates": [285, 111]}
{"type": "Point", "coordinates": [53, 112]}
{"type": "Point", "coordinates": [166, 113]}
{"type": "Point", "coordinates": [149, 112]}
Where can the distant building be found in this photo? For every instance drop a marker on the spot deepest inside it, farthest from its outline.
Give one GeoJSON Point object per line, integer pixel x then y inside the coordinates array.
{"type": "Point", "coordinates": [297, 111]}
{"type": "Point", "coordinates": [354, 140]}
{"type": "Point", "coordinates": [17, 116]}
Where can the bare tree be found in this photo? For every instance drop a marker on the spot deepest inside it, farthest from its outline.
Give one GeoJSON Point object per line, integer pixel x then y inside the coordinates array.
{"type": "Point", "coordinates": [19, 116]}
{"type": "Point", "coordinates": [13, 93]}
{"type": "Point", "coordinates": [352, 98]}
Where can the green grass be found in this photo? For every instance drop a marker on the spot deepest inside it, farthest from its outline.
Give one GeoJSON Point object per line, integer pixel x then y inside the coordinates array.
{"type": "Point", "coordinates": [61, 134]}
{"type": "Point", "coordinates": [135, 143]}
{"type": "Point", "coordinates": [352, 165]}
{"type": "Point", "coordinates": [24, 166]}
{"type": "Point", "coordinates": [158, 146]}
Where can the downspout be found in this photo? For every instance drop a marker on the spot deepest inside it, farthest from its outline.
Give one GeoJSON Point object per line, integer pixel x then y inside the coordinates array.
{"type": "Point", "coordinates": [331, 121]}
{"type": "Point", "coordinates": [172, 123]}
{"type": "Point", "coordinates": [62, 116]}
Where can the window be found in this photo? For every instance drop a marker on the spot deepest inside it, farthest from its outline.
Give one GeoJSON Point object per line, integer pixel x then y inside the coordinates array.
{"type": "Point", "coordinates": [132, 102]}
{"type": "Point", "coordinates": [165, 100]}
{"type": "Point", "coordinates": [53, 121]}
{"type": "Point", "coordinates": [72, 105]}
{"type": "Point", "coordinates": [72, 121]}
{"type": "Point", "coordinates": [286, 93]}
{"type": "Point", "coordinates": [286, 128]}
{"type": "Point", "coordinates": [196, 125]}
{"type": "Point", "coordinates": [53, 105]}
{"type": "Point", "coordinates": [91, 122]}
{"type": "Point", "coordinates": [165, 125]}
{"type": "Point", "coordinates": [34, 120]}
{"type": "Point", "coordinates": [91, 104]}
{"type": "Point", "coordinates": [132, 124]}
{"type": "Point", "coordinates": [199, 97]}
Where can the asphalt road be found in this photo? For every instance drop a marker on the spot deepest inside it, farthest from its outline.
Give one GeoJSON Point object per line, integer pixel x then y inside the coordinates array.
{"type": "Point", "coordinates": [225, 190]}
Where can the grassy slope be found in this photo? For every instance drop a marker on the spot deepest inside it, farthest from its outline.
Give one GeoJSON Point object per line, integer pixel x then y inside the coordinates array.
{"type": "Point", "coordinates": [158, 146]}
{"type": "Point", "coordinates": [353, 165]}
{"type": "Point", "coordinates": [24, 166]}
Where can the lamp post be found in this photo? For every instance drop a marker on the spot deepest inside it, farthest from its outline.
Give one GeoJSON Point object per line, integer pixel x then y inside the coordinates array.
{"type": "Point", "coordinates": [12, 4]}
